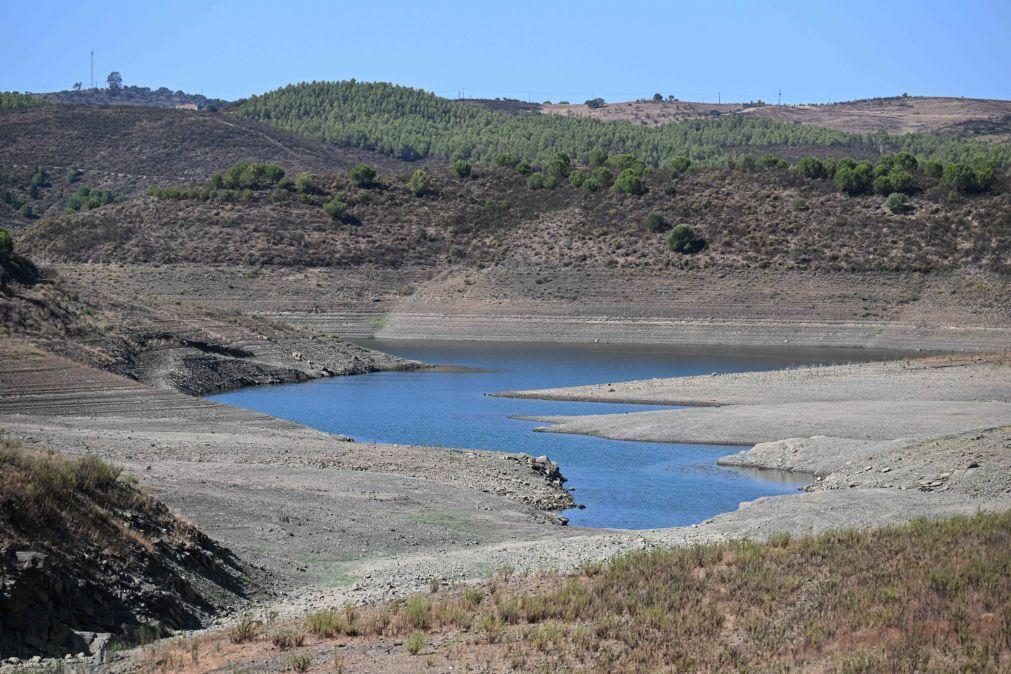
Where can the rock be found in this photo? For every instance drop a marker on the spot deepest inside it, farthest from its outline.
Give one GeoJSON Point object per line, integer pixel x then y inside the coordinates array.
{"type": "Point", "coordinates": [31, 560]}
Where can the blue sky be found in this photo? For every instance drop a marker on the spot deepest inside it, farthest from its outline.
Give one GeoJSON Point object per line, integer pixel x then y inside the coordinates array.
{"type": "Point", "coordinates": [812, 51]}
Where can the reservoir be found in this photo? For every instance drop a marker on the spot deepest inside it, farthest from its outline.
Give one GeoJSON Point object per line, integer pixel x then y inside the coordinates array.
{"type": "Point", "coordinates": [628, 485]}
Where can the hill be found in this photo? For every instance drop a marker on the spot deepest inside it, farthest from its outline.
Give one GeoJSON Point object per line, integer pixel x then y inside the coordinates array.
{"type": "Point", "coordinates": [126, 150]}
{"type": "Point", "coordinates": [770, 217]}
{"type": "Point", "coordinates": [162, 97]}
{"type": "Point", "coordinates": [981, 119]}
{"type": "Point", "coordinates": [411, 124]}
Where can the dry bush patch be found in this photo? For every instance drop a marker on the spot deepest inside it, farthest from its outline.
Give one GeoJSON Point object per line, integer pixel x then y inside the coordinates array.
{"type": "Point", "coordinates": [928, 596]}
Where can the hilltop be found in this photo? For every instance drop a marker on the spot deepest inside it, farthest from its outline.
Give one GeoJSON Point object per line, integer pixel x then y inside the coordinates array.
{"type": "Point", "coordinates": [981, 119]}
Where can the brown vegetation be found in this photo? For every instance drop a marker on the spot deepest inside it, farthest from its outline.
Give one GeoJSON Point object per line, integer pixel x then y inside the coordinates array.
{"type": "Point", "coordinates": [928, 596]}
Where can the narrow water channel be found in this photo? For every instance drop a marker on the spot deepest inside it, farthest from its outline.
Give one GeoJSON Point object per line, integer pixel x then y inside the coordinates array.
{"type": "Point", "coordinates": [631, 485]}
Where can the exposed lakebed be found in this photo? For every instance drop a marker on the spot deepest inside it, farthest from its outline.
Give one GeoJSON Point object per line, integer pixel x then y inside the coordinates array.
{"type": "Point", "coordinates": [633, 485]}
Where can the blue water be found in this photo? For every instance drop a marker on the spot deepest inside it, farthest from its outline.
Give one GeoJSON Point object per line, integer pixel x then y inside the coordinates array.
{"type": "Point", "coordinates": [633, 485]}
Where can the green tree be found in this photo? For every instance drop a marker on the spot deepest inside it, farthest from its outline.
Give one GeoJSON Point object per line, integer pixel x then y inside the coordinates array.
{"type": "Point", "coordinates": [115, 82]}
{"type": "Point", "coordinates": [306, 183]}
{"type": "Point", "coordinates": [854, 180]}
{"type": "Point", "coordinates": [681, 164]}
{"type": "Point", "coordinates": [597, 157]}
{"type": "Point", "coordinates": [811, 168]}
{"type": "Point", "coordinates": [363, 175]}
{"type": "Point", "coordinates": [536, 181]}
{"type": "Point", "coordinates": [507, 160]}
{"type": "Point", "coordinates": [897, 202]}
{"type": "Point", "coordinates": [462, 168]}
{"type": "Point", "coordinates": [595, 103]}
{"type": "Point", "coordinates": [6, 243]}
{"type": "Point", "coordinates": [933, 168]}
{"type": "Point", "coordinates": [682, 239]}
{"type": "Point", "coordinates": [335, 208]}
{"type": "Point", "coordinates": [657, 98]}
{"type": "Point", "coordinates": [629, 182]}
{"type": "Point", "coordinates": [419, 183]}
{"type": "Point", "coordinates": [961, 177]}
{"type": "Point", "coordinates": [577, 178]}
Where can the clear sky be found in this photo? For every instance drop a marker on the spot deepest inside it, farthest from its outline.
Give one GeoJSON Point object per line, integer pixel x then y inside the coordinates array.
{"type": "Point", "coordinates": [812, 51]}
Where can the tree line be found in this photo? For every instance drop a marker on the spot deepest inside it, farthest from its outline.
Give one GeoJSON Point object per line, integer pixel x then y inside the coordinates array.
{"type": "Point", "coordinates": [412, 124]}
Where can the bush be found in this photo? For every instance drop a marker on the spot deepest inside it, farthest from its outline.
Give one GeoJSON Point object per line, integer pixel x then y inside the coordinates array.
{"type": "Point", "coordinates": [415, 643]}
{"type": "Point", "coordinates": [6, 243]}
{"type": "Point", "coordinates": [462, 168]}
{"type": "Point", "coordinates": [74, 174]}
{"type": "Point", "coordinates": [419, 612]}
{"type": "Point", "coordinates": [855, 179]}
{"type": "Point", "coordinates": [39, 177]}
{"type": "Point", "coordinates": [245, 630]}
{"type": "Point", "coordinates": [298, 663]}
{"type": "Point", "coordinates": [419, 184]}
{"type": "Point", "coordinates": [897, 202]}
{"type": "Point", "coordinates": [682, 239]}
{"type": "Point", "coordinates": [933, 168]}
{"type": "Point", "coordinates": [597, 157]}
{"type": "Point", "coordinates": [335, 208]}
{"type": "Point", "coordinates": [577, 178]}
{"type": "Point", "coordinates": [769, 161]}
{"type": "Point", "coordinates": [629, 181]}
{"type": "Point", "coordinates": [811, 168]}
{"type": "Point", "coordinates": [595, 103]}
{"type": "Point", "coordinates": [306, 184]}
{"type": "Point", "coordinates": [287, 639]}
{"type": "Point", "coordinates": [87, 198]}
{"type": "Point", "coordinates": [681, 164]}
{"type": "Point", "coordinates": [506, 160]}
{"type": "Point", "coordinates": [536, 181]}
{"type": "Point", "coordinates": [363, 175]}
{"type": "Point", "coordinates": [655, 222]}
{"type": "Point", "coordinates": [969, 179]}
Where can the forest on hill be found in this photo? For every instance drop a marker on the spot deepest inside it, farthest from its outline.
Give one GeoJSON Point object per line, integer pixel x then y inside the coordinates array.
{"type": "Point", "coordinates": [412, 124]}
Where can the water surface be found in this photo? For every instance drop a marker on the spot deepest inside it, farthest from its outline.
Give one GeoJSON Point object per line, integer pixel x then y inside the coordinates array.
{"type": "Point", "coordinates": [622, 484]}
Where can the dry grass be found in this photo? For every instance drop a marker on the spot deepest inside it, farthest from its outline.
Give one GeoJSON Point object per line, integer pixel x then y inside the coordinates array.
{"type": "Point", "coordinates": [931, 596]}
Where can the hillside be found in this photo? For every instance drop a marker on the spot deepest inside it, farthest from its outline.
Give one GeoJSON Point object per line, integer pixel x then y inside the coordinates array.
{"type": "Point", "coordinates": [981, 119]}
{"type": "Point", "coordinates": [161, 97]}
{"type": "Point", "coordinates": [763, 218]}
{"type": "Point", "coordinates": [134, 571]}
{"type": "Point", "coordinates": [128, 149]}
{"type": "Point", "coordinates": [410, 124]}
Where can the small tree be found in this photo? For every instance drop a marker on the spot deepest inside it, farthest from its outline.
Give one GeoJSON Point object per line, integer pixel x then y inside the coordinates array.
{"type": "Point", "coordinates": [115, 82]}
{"type": "Point", "coordinates": [657, 98]}
{"type": "Point", "coordinates": [419, 184]}
{"type": "Point", "coordinates": [854, 180]}
{"type": "Point", "coordinates": [897, 202]}
{"type": "Point", "coordinates": [363, 175]}
{"type": "Point", "coordinates": [960, 177]}
{"type": "Point", "coordinates": [629, 182]}
{"type": "Point", "coordinates": [811, 168]}
{"type": "Point", "coordinates": [462, 168]}
{"type": "Point", "coordinates": [682, 239]}
{"type": "Point", "coordinates": [595, 103]}
{"type": "Point", "coordinates": [306, 183]}
{"type": "Point", "coordinates": [6, 243]}
{"type": "Point", "coordinates": [536, 181]}
{"type": "Point", "coordinates": [335, 208]}
{"type": "Point", "coordinates": [933, 168]}
{"type": "Point", "coordinates": [655, 222]}
{"type": "Point", "coordinates": [681, 164]}
{"type": "Point", "coordinates": [506, 160]}
{"type": "Point", "coordinates": [577, 178]}
{"type": "Point", "coordinates": [597, 157]}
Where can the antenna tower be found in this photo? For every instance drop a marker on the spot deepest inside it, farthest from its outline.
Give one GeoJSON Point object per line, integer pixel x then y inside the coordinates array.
{"type": "Point", "coordinates": [92, 68]}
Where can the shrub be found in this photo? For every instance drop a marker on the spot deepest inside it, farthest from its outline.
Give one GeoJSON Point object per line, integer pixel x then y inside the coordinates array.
{"type": "Point", "coordinates": [682, 239]}
{"type": "Point", "coordinates": [418, 610]}
{"type": "Point", "coordinates": [769, 161]}
{"type": "Point", "coordinates": [507, 160]}
{"type": "Point", "coordinates": [961, 177]}
{"type": "Point", "coordinates": [524, 168]}
{"type": "Point", "coordinates": [419, 184]}
{"type": "Point", "coordinates": [559, 167]}
{"type": "Point", "coordinates": [811, 168]}
{"type": "Point", "coordinates": [621, 162]}
{"type": "Point", "coordinates": [577, 178]}
{"type": "Point", "coordinates": [245, 630]}
{"type": "Point", "coordinates": [550, 182]}
{"type": "Point", "coordinates": [629, 181]}
{"type": "Point", "coordinates": [363, 175]}
{"type": "Point", "coordinates": [299, 663]}
{"type": "Point", "coordinates": [597, 157]}
{"type": "Point", "coordinates": [897, 202]}
{"type": "Point", "coordinates": [74, 174]}
{"type": "Point", "coordinates": [6, 243]}
{"type": "Point", "coordinates": [335, 208]}
{"type": "Point", "coordinates": [655, 222]}
{"type": "Point", "coordinates": [595, 103]}
{"type": "Point", "coordinates": [933, 168]}
{"type": "Point", "coordinates": [854, 180]}
{"type": "Point", "coordinates": [39, 177]}
{"type": "Point", "coordinates": [536, 181]}
{"type": "Point", "coordinates": [681, 164]}
{"type": "Point", "coordinates": [462, 168]}
{"type": "Point", "coordinates": [415, 643]}
{"type": "Point", "coordinates": [287, 639]}
{"type": "Point", "coordinates": [87, 198]}
{"type": "Point", "coordinates": [602, 175]}
{"type": "Point", "coordinates": [306, 184]}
